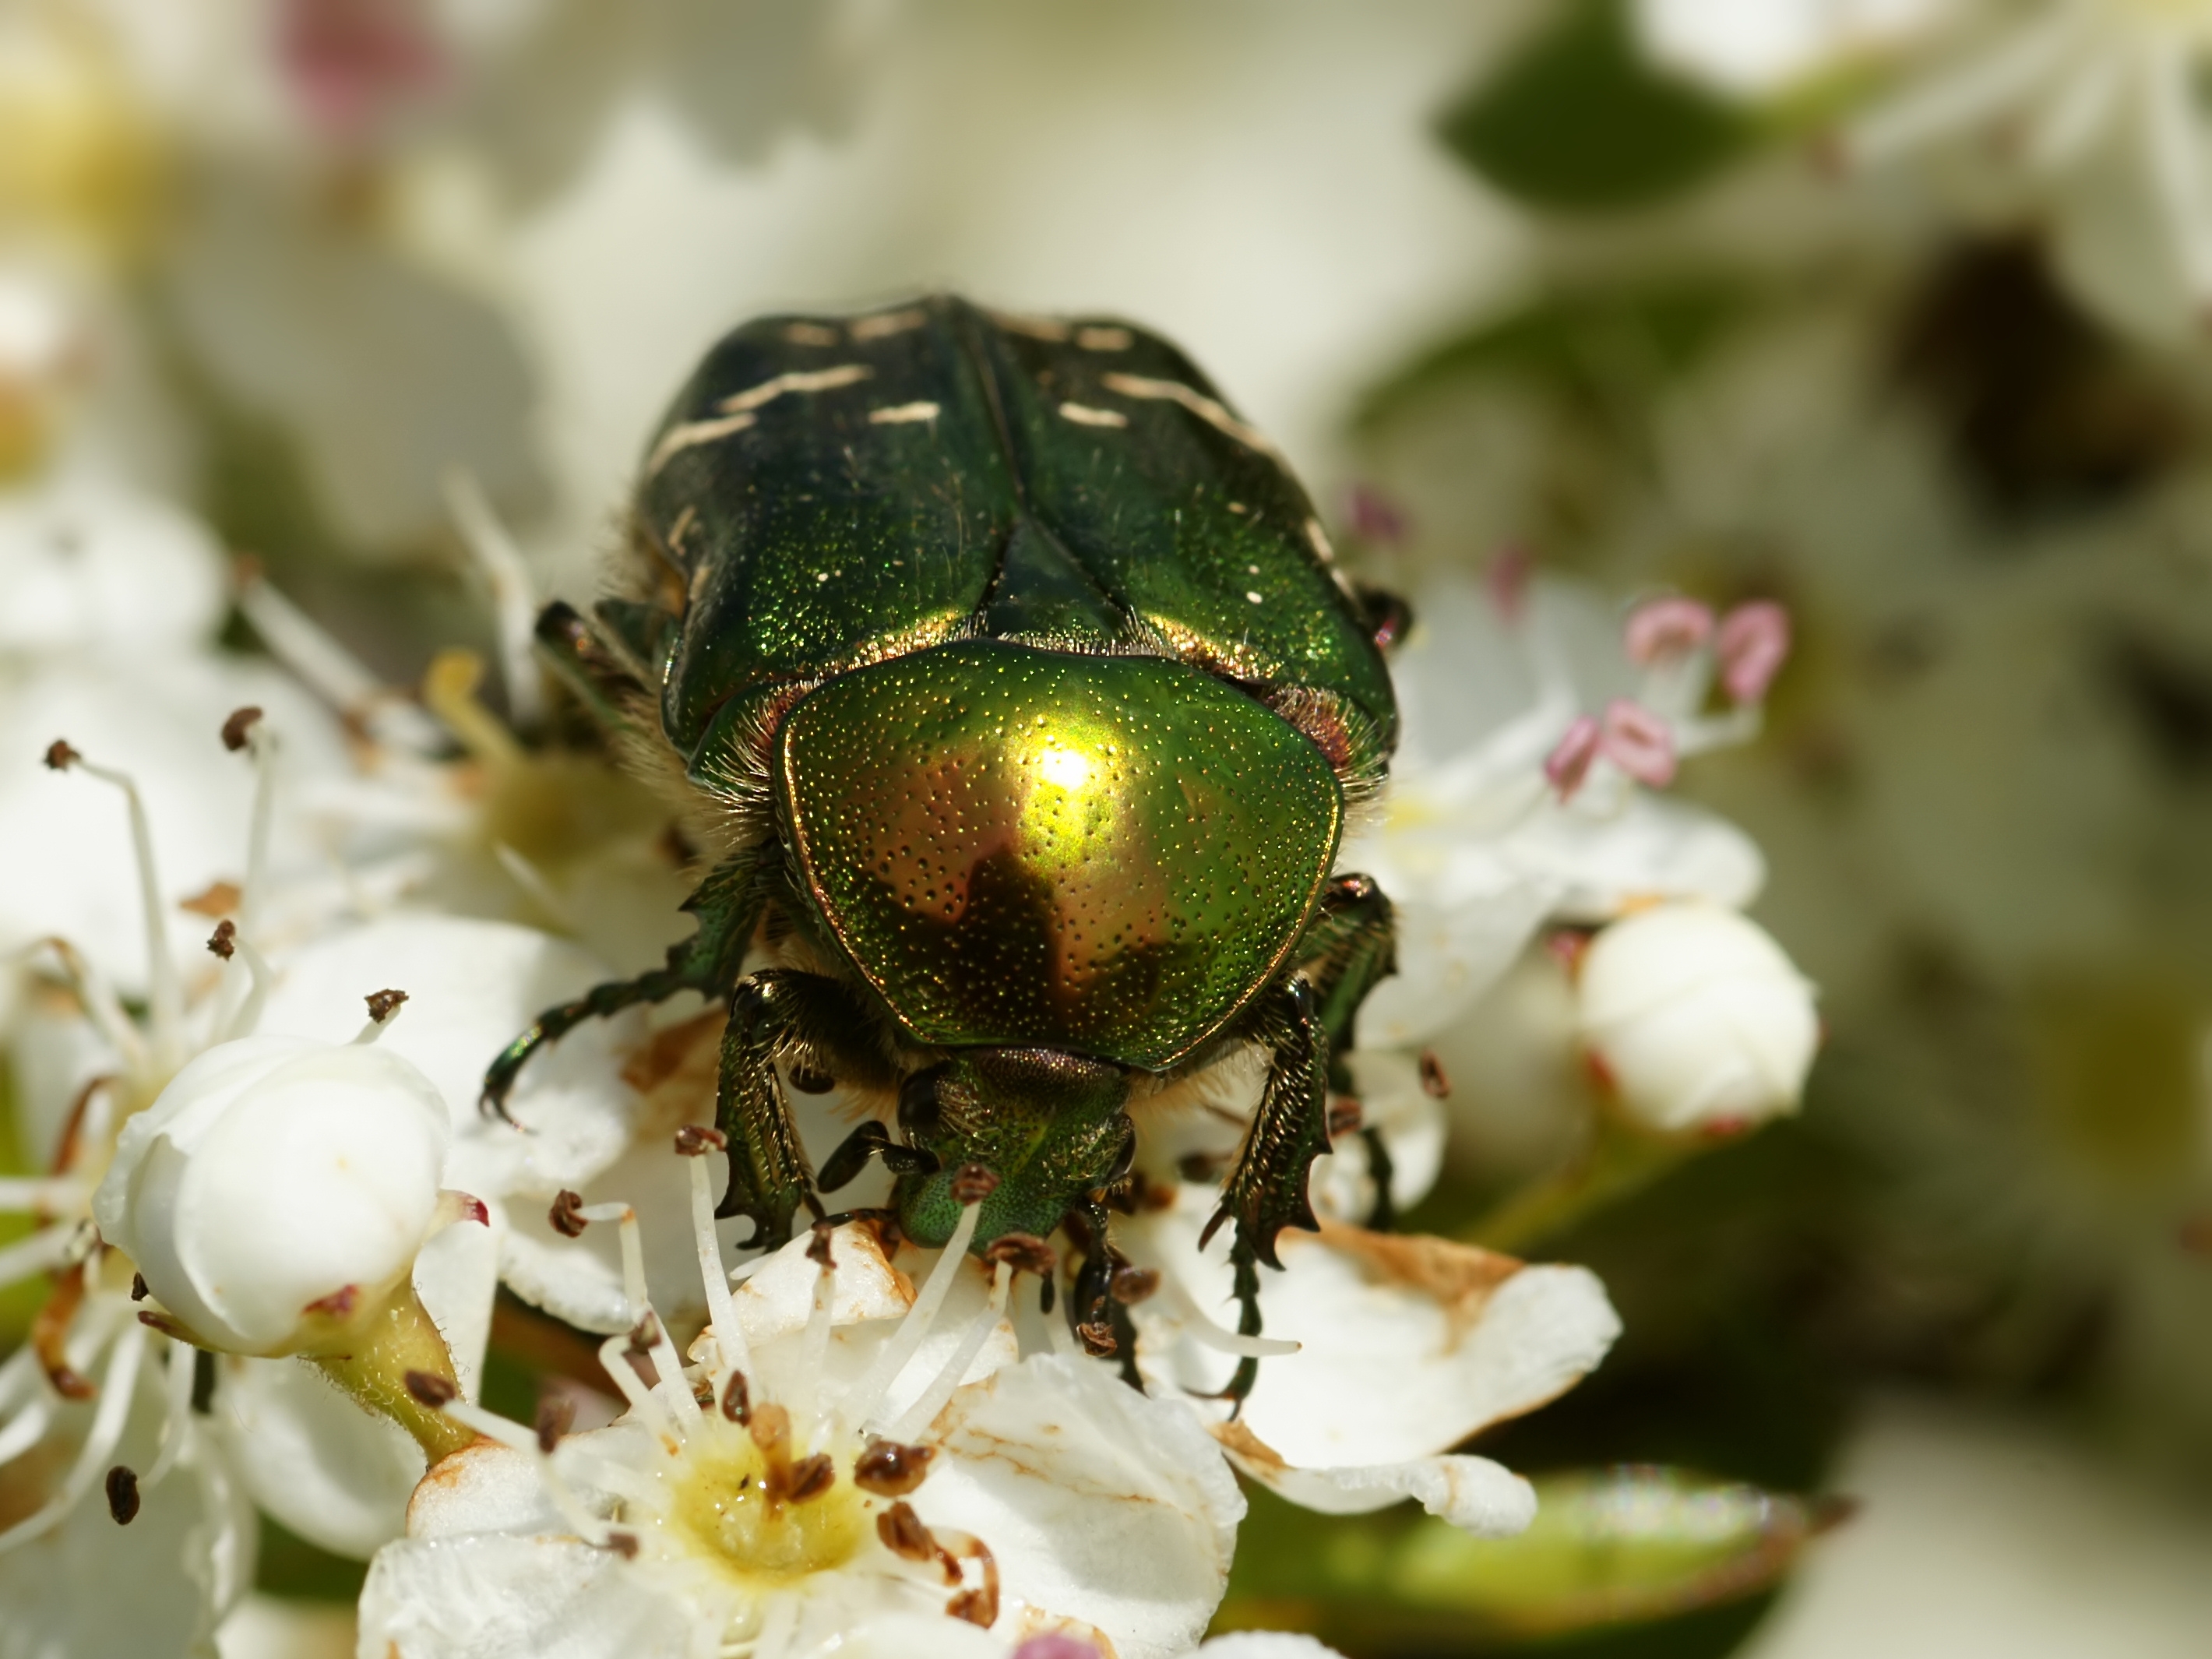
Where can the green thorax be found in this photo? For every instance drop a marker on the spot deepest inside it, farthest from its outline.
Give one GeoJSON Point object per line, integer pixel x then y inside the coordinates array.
{"type": "Point", "coordinates": [1036, 848]}
{"type": "Point", "coordinates": [830, 492]}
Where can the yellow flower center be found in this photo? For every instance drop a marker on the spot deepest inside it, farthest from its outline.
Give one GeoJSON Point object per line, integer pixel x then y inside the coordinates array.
{"type": "Point", "coordinates": [726, 1502]}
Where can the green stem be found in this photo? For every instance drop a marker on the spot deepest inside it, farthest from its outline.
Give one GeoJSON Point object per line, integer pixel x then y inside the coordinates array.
{"type": "Point", "coordinates": [1618, 1163]}
{"type": "Point", "coordinates": [398, 1338]}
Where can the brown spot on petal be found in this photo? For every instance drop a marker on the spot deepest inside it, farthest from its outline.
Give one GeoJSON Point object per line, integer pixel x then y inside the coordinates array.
{"type": "Point", "coordinates": [1237, 1437]}
{"type": "Point", "coordinates": [567, 1214]}
{"type": "Point", "coordinates": [889, 1469]}
{"type": "Point", "coordinates": [338, 1305]}
{"type": "Point", "coordinates": [217, 898]}
{"type": "Point", "coordinates": [1460, 1277]}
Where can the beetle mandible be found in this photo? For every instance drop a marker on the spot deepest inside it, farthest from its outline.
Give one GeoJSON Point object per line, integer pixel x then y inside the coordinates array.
{"type": "Point", "coordinates": [1029, 703]}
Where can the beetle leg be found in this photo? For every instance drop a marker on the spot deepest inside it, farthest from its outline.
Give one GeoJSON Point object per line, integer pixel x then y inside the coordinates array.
{"type": "Point", "coordinates": [728, 905]}
{"type": "Point", "coordinates": [602, 682]}
{"type": "Point", "coordinates": [1267, 1190]}
{"type": "Point", "coordinates": [1350, 947]}
{"type": "Point", "coordinates": [776, 1014]}
{"type": "Point", "coordinates": [870, 1140]}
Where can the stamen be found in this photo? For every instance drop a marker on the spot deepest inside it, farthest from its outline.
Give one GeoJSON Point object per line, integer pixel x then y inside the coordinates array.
{"type": "Point", "coordinates": [919, 1415]}
{"type": "Point", "coordinates": [1753, 645]}
{"type": "Point", "coordinates": [24, 1430]}
{"type": "Point", "coordinates": [101, 1006]}
{"type": "Point", "coordinates": [383, 1008]}
{"type": "Point", "coordinates": [867, 1394]}
{"type": "Point", "coordinates": [531, 880]}
{"type": "Point", "coordinates": [116, 1386]}
{"type": "Point", "coordinates": [814, 1341]}
{"type": "Point", "coordinates": [258, 979]}
{"type": "Point", "coordinates": [300, 643]}
{"type": "Point", "coordinates": [1666, 628]}
{"type": "Point", "coordinates": [1203, 1331]}
{"type": "Point", "coordinates": [165, 996]}
{"type": "Point", "coordinates": [260, 744]}
{"type": "Point", "coordinates": [721, 1307]}
{"type": "Point", "coordinates": [1569, 763]}
{"type": "Point", "coordinates": [178, 1398]}
{"type": "Point", "coordinates": [979, 1606]}
{"type": "Point", "coordinates": [684, 1408]}
{"type": "Point", "coordinates": [514, 603]}
{"type": "Point", "coordinates": [44, 1195]}
{"type": "Point", "coordinates": [614, 1357]}
{"type": "Point", "coordinates": [42, 1251]}
{"type": "Point", "coordinates": [1640, 742]}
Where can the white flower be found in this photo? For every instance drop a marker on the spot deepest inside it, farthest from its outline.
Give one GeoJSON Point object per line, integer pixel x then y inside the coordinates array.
{"type": "Point", "coordinates": [1698, 1020]}
{"type": "Point", "coordinates": [1523, 791]}
{"type": "Point", "coordinates": [1383, 1353]}
{"type": "Point", "coordinates": [848, 1460]}
{"type": "Point", "coordinates": [2083, 116]}
{"type": "Point", "coordinates": [1762, 48]}
{"type": "Point", "coordinates": [275, 1185]}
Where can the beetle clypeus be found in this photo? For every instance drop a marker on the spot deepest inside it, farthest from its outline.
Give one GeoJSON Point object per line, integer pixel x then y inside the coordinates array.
{"type": "Point", "coordinates": [1028, 701]}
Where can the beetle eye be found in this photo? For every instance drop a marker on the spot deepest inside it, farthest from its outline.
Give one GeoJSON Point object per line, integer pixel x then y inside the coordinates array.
{"type": "Point", "coordinates": [808, 1081]}
{"type": "Point", "coordinates": [917, 1106]}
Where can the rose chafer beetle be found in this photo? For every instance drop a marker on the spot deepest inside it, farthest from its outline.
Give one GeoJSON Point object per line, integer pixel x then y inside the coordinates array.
{"type": "Point", "coordinates": [1029, 703]}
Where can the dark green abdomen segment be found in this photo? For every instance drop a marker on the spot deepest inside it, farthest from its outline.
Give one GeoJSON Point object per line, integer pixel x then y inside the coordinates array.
{"type": "Point", "coordinates": [1108, 855]}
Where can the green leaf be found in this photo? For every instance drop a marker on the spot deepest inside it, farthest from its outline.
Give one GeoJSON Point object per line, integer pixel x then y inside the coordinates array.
{"type": "Point", "coordinates": [1592, 346]}
{"type": "Point", "coordinates": [1579, 123]}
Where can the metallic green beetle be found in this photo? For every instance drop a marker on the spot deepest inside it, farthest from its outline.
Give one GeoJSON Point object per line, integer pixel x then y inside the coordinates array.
{"type": "Point", "coordinates": [1029, 703]}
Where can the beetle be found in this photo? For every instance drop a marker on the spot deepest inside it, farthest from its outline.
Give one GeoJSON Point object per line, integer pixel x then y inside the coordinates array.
{"type": "Point", "coordinates": [1028, 701]}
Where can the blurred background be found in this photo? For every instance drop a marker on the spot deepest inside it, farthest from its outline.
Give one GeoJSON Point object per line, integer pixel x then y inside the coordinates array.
{"type": "Point", "coordinates": [1891, 310]}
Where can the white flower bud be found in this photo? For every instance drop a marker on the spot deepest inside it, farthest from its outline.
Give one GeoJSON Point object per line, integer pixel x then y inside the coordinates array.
{"type": "Point", "coordinates": [273, 1173]}
{"type": "Point", "coordinates": [1697, 1017]}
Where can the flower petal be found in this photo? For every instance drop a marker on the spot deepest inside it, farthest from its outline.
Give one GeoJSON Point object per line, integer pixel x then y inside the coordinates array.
{"type": "Point", "coordinates": [313, 1459]}
{"type": "Point", "coordinates": [1472, 1493]}
{"type": "Point", "coordinates": [496, 1596]}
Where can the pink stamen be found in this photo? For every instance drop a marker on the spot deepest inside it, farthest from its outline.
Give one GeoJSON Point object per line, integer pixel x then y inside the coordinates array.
{"type": "Point", "coordinates": [1640, 742]}
{"type": "Point", "coordinates": [1507, 578]}
{"type": "Point", "coordinates": [1055, 1644]}
{"type": "Point", "coordinates": [1753, 644]}
{"type": "Point", "coordinates": [350, 60]}
{"type": "Point", "coordinates": [1666, 627]}
{"type": "Point", "coordinates": [1569, 763]}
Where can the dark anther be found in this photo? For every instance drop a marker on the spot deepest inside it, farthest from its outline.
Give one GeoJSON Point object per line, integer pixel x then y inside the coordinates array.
{"type": "Point", "coordinates": [1027, 1252]}
{"type": "Point", "coordinates": [889, 1469]}
{"type": "Point", "coordinates": [697, 1140]}
{"type": "Point", "coordinates": [238, 729]}
{"type": "Point", "coordinates": [972, 1183]}
{"type": "Point", "coordinates": [808, 1081]}
{"type": "Point", "coordinates": [737, 1399]}
{"type": "Point", "coordinates": [220, 941]}
{"type": "Point", "coordinates": [567, 1214]}
{"type": "Point", "coordinates": [1434, 1084]}
{"type": "Point", "coordinates": [817, 1246]}
{"type": "Point", "coordinates": [122, 1495]}
{"type": "Point", "coordinates": [382, 1005]}
{"type": "Point", "coordinates": [1344, 1115]}
{"type": "Point", "coordinates": [430, 1389]}
{"type": "Point", "coordinates": [203, 1381]}
{"type": "Point", "coordinates": [770, 1429]}
{"type": "Point", "coordinates": [60, 757]}
{"type": "Point", "coordinates": [556, 1415]}
{"type": "Point", "coordinates": [623, 1544]}
{"type": "Point", "coordinates": [977, 1607]}
{"type": "Point", "coordinates": [138, 1287]}
{"type": "Point", "coordinates": [904, 1536]}
{"type": "Point", "coordinates": [1048, 1293]}
{"type": "Point", "coordinates": [645, 1334]}
{"type": "Point", "coordinates": [1097, 1339]}
{"type": "Point", "coordinates": [1133, 1285]}
{"type": "Point", "coordinates": [810, 1478]}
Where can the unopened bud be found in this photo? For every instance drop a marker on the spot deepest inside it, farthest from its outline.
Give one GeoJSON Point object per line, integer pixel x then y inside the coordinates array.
{"type": "Point", "coordinates": [277, 1185]}
{"type": "Point", "coordinates": [1697, 1018]}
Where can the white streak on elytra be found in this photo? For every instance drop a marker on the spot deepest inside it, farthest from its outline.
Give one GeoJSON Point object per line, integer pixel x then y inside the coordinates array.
{"type": "Point", "coordinates": [1038, 328]}
{"type": "Point", "coordinates": [1103, 339]}
{"type": "Point", "coordinates": [1084, 415]}
{"type": "Point", "coordinates": [1254, 595]}
{"type": "Point", "coordinates": [1319, 538]}
{"type": "Point", "coordinates": [812, 334]}
{"type": "Point", "coordinates": [795, 379]}
{"type": "Point", "coordinates": [1214, 414]}
{"type": "Point", "coordinates": [678, 439]}
{"type": "Point", "coordinates": [885, 325]}
{"type": "Point", "coordinates": [901, 414]}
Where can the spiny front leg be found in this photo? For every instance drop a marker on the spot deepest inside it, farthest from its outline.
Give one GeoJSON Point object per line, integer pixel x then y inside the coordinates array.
{"type": "Point", "coordinates": [1267, 1191]}
{"type": "Point", "coordinates": [728, 904]}
{"type": "Point", "coordinates": [778, 1013]}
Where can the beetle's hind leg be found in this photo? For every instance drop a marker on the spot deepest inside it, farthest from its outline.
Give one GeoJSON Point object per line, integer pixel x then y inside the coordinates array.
{"type": "Point", "coordinates": [1267, 1190]}
{"type": "Point", "coordinates": [728, 904]}
{"type": "Point", "coordinates": [1350, 948]}
{"type": "Point", "coordinates": [813, 1021]}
